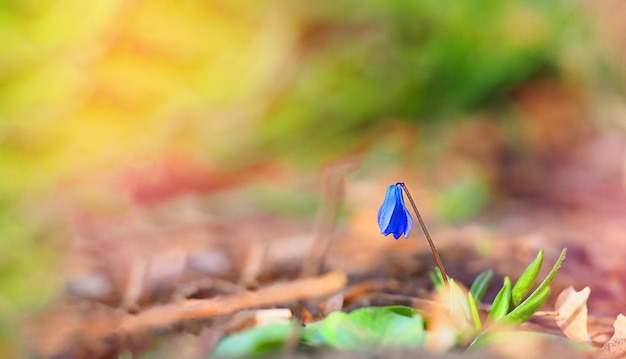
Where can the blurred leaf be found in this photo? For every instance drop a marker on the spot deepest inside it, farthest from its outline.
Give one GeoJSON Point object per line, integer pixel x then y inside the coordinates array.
{"type": "Point", "coordinates": [367, 329]}
{"type": "Point", "coordinates": [436, 278]}
{"type": "Point", "coordinates": [480, 284]}
{"type": "Point", "coordinates": [458, 300]}
{"type": "Point", "coordinates": [501, 303]}
{"type": "Point", "coordinates": [474, 311]}
{"type": "Point", "coordinates": [463, 200]}
{"type": "Point", "coordinates": [433, 60]}
{"type": "Point", "coordinates": [283, 200]}
{"type": "Point", "coordinates": [572, 313]}
{"type": "Point", "coordinates": [526, 281]}
{"type": "Point", "coordinates": [616, 346]}
{"type": "Point", "coordinates": [257, 341]}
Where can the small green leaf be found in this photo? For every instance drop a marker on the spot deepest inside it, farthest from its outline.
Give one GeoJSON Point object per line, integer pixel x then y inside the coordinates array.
{"type": "Point", "coordinates": [367, 329]}
{"type": "Point", "coordinates": [479, 287]}
{"type": "Point", "coordinates": [437, 278]}
{"type": "Point", "coordinates": [402, 310]}
{"type": "Point", "coordinates": [528, 307]}
{"type": "Point", "coordinates": [501, 303]}
{"type": "Point", "coordinates": [526, 281]}
{"type": "Point", "coordinates": [557, 265]}
{"type": "Point", "coordinates": [257, 341]}
{"type": "Point", "coordinates": [434, 280]}
{"type": "Point", "coordinates": [538, 297]}
{"type": "Point", "coordinates": [474, 311]}
{"type": "Point", "coordinates": [525, 310]}
{"type": "Point", "coordinates": [458, 300]}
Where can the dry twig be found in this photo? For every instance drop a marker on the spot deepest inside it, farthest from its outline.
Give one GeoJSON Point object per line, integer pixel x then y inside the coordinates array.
{"type": "Point", "coordinates": [301, 289]}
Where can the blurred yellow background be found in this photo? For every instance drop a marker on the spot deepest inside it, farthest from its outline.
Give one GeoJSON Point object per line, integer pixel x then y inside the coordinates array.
{"type": "Point", "coordinates": [88, 87]}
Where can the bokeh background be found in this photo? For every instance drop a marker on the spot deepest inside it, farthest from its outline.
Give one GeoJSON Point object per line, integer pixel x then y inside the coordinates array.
{"type": "Point", "coordinates": [111, 105]}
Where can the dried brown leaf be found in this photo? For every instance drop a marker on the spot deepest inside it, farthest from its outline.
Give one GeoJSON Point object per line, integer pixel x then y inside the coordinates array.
{"type": "Point", "coordinates": [332, 304]}
{"type": "Point", "coordinates": [616, 346]}
{"type": "Point", "coordinates": [572, 313]}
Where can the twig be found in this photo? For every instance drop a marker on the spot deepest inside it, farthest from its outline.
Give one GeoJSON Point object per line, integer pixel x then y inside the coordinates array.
{"type": "Point", "coordinates": [301, 289]}
{"type": "Point", "coordinates": [332, 197]}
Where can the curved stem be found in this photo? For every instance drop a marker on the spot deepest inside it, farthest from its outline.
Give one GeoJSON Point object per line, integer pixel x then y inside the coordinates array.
{"type": "Point", "coordinates": [430, 241]}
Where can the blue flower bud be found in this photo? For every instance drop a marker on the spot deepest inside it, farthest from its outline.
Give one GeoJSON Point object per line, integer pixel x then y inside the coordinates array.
{"type": "Point", "coordinates": [393, 217]}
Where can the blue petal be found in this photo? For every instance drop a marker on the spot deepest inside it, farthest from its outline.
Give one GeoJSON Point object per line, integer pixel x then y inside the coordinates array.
{"type": "Point", "coordinates": [393, 216]}
{"type": "Point", "coordinates": [397, 224]}
{"type": "Point", "coordinates": [409, 223]}
{"type": "Point", "coordinates": [408, 219]}
{"type": "Point", "coordinates": [387, 208]}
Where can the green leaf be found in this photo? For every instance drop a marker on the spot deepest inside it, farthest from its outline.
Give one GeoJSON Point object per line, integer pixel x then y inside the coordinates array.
{"type": "Point", "coordinates": [538, 297]}
{"type": "Point", "coordinates": [528, 307]}
{"type": "Point", "coordinates": [522, 312]}
{"type": "Point", "coordinates": [367, 329]}
{"type": "Point", "coordinates": [501, 303]}
{"type": "Point", "coordinates": [436, 278]}
{"type": "Point", "coordinates": [402, 310]}
{"type": "Point", "coordinates": [433, 279]}
{"type": "Point", "coordinates": [479, 287]}
{"type": "Point", "coordinates": [257, 341]}
{"type": "Point", "coordinates": [526, 281]}
{"type": "Point", "coordinates": [458, 300]}
{"type": "Point", "coordinates": [474, 310]}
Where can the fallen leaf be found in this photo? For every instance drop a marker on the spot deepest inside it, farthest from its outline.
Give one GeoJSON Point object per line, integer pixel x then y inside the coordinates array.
{"type": "Point", "coordinates": [616, 346]}
{"type": "Point", "coordinates": [333, 304]}
{"type": "Point", "coordinates": [572, 313]}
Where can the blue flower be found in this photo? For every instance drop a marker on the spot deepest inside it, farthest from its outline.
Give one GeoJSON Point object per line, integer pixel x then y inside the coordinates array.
{"type": "Point", "coordinates": [393, 217]}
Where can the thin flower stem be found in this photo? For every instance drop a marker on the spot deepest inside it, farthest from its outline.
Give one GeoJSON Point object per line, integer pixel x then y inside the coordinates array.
{"type": "Point", "coordinates": [430, 241]}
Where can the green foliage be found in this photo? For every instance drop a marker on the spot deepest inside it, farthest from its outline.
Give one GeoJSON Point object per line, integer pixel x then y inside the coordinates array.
{"type": "Point", "coordinates": [480, 284]}
{"type": "Point", "coordinates": [257, 341]}
{"type": "Point", "coordinates": [525, 283]}
{"type": "Point", "coordinates": [25, 280]}
{"type": "Point", "coordinates": [437, 278]}
{"type": "Point", "coordinates": [510, 306]}
{"type": "Point", "coordinates": [521, 313]}
{"type": "Point", "coordinates": [505, 312]}
{"type": "Point", "coordinates": [463, 199]}
{"type": "Point", "coordinates": [502, 302]}
{"type": "Point", "coordinates": [476, 293]}
{"type": "Point", "coordinates": [474, 311]}
{"type": "Point", "coordinates": [537, 298]}
{"type": "Point", "coordinates": [413, 60]}
{"type": "Point", "coordinates": [371, 328]}
{"type": "Point", "coordinates": [367, 329]}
